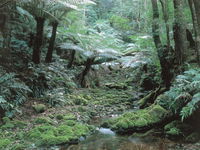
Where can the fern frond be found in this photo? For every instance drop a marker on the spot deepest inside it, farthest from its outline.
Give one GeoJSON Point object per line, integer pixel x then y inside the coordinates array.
{"type": "Point", "coordinates": [191, 107]}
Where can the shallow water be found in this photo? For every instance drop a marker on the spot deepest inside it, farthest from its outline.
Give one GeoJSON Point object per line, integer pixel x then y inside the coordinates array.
{"type": "Point", "coordinates": [105, 139]}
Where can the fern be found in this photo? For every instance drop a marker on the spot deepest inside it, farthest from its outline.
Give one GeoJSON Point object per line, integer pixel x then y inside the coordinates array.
{"type": "Point", "coordinates": [12, 92]}
{"type": "Point", "coordinates": [184, 96]}
{"type": "Point", "coordinates": [191, 107]}
{"type": "Point", "coordinates": [6, 77]}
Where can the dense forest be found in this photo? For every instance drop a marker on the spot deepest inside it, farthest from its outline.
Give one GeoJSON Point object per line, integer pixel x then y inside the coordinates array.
{"type": "Point", "coordinates": [99, 74]}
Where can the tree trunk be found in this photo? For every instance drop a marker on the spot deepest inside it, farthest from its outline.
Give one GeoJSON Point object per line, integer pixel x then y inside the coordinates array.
{"type": "Point", "coordinates": [155, 25]}
{"type": "Point", "coordinates": [71, 59]}
{"type": "Point", "coordinates": [165, 54]}
{"type": "Point", "coordinates": [5, 17]}
{"type": "Point", "coordinates": [31, 39]}
{"type": "Point", "coordinates": [51, 43]}
{"type": "Point", "coordinates": [38, 40]}
{"type": "Point", "coordinates": [165, 10]}
{"type": "Point", "coordinates": [179, 34]}
{"type": "Point", "coordinates": [195, 9]}
{"type": "Point", "coordinates": [190, 39]}
{"type": "Point", "coordinates": [88, 65]}
{"type": "Point", "coordinates": [5, 30]}
{"type": "Point", "coordinates": [2, 113]}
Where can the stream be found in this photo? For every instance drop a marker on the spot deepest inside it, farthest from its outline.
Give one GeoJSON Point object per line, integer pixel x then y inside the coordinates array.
{"type": "Point", "coordinates": [106, 139]}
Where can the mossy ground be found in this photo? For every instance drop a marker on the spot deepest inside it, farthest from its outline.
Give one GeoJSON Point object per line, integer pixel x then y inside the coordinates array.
{"type": "Point", "coordinates": [41, 131]}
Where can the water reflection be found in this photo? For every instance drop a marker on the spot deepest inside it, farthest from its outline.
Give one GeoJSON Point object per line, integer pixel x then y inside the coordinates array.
{"type": "Point", "coordinates": [103, 141]}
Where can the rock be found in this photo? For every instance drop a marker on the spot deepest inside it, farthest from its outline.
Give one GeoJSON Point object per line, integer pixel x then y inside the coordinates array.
{"type": "Point", "coordinates": [39, 108]}
{"type": "Point", "coordinates": [106, 131]}
{"type": "Point", "coordinates": [140, 120]}
{"type": "Point", "coordinates": [48, 135]}
{"type": "Point", "coordinates": [59, 117]}
{"type": "Point", "coordinates": [119, 86]}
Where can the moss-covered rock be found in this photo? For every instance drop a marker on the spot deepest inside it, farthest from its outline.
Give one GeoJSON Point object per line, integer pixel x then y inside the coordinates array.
{"type": "Point", "coordinates": [42, 120]}
{"type": "Point", "coordinates": [70, 122]}
{"type": "Point", "coordinates": [4, 142]}
{"type": "Point", "coordinates": [177, 129]}
{"type": "Point", "coordinates": [59, 117]}
{"type": "Point", "coordinates": [47, 135]}
{"type": "Point", "coordinates": [117, 85]}
{"type": "Point", "coordinates": [39, 108]}
{"type": "Point", "coordinates": [10, 124]}
{"type": "Point", "coordinates": [18, 147]}
{"type": "Point", "coordinates": [139, 120]}
{"type": "Point", "coordinates": [69, 117]}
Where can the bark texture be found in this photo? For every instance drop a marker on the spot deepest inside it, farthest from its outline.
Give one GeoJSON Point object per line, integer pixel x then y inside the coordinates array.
{"type": "Point", "coordinates": [38, 40]}
{"type": "Point", "coordinates": [180, 34]}
{"type": "Point", "coordinates": [51, 43]}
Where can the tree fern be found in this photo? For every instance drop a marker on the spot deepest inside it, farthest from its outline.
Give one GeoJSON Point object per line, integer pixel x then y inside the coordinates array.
{"type": "Point", "coordinates": [191, 107]}
{"type": "Point", "coordinates": [183, 97]}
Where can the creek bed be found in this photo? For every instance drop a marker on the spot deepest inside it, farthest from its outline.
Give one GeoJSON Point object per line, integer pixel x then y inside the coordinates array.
{"type": "Point", "coordinates": [106, 139]}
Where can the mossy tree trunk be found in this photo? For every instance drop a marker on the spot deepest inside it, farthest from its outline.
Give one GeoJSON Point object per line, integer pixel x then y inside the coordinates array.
{"type": "Point", "coordinates": [5, 29]}
{"type": "Point", "coordinates": [195, 9]}
{"type": "Point", "coordinates": [164, 53]}
{"type": "Point", "coordinates": [165, 10]}
{"type": "Point", "coordinates": [38, 40]}
{"type": "Point", "coordinates": [88, 66]}
{"type": "Point", "coordinates": [5, 25]}
{"type": "Point", "coordinates": [179, 34]}
{"type": "Point", "coordinates": [155, 25]}
{"type": "Point", "coordinates": [51, 43]}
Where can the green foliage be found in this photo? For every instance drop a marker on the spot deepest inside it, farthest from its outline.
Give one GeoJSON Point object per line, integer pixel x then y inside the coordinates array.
{"type": "Point", "coordinates": [12, 124]}
{"type": "Point", "coordinates": [191, 107]}
{"type": "Point", "coordinates": [18, 147]}
{"type": "Point", "coordinates": [120, 23]}
{"type": "Point", "coordinates": [183, 97]}
{"type": "Point", "coordinates": [100, 42]}
{"type": "Point", "coordinates": [13, 92]}
{"type": "Point", "coordinates": [143, 41]}
{"type": "Point", "coordinates": [42, 120]}
{"type": "Point", "coordinates": [4, 143]}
